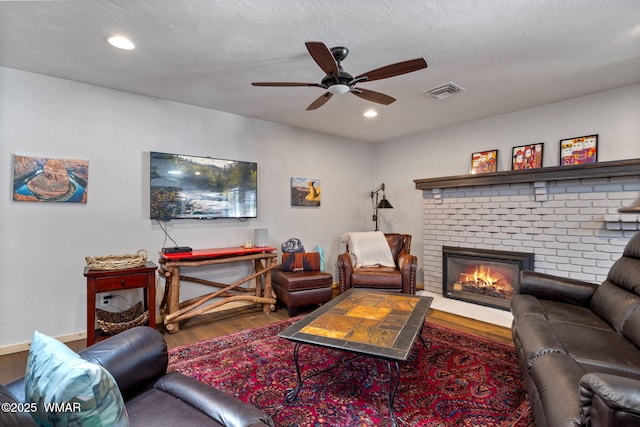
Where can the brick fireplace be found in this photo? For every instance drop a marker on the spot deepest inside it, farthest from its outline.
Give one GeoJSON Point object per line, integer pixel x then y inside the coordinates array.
{"type": "Point", "coordinates": [565, 217]}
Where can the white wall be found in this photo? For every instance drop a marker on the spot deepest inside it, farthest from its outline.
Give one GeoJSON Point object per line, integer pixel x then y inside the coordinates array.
{"type": "Point", "coordinates": [614, 115]}
{"type": "Point", "coordinates": [43, 246]}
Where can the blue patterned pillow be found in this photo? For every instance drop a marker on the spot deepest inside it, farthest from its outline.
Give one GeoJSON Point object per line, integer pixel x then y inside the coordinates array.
{"type": "Point", "coordinates": [68, 390]}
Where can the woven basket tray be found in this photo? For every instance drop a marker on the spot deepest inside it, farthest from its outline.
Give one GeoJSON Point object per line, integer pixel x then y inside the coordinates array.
{"type": "Point", "coordinates": [113, 322]}
{"type": "Point", "coordinates": [117, 262]}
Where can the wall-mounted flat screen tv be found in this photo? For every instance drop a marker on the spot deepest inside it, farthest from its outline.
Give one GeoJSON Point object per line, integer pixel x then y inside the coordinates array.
{"type": "Point", "coordinates": [202, 187]}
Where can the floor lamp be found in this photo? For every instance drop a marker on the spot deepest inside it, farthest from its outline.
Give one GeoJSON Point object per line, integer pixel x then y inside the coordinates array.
{"type": "Point", "coordinates": [382, 204]}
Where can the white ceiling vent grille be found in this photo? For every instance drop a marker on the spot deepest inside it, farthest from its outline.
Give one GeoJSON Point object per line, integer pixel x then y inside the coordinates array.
{"type": "Point", "coordinates": [444, 91]}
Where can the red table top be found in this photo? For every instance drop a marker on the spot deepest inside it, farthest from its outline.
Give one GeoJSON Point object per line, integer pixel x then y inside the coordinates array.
{"type": "Point", "coordinates": [217, 252]}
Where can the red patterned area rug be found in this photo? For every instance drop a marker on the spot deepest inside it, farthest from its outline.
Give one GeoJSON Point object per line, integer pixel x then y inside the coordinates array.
{"type": "Point", "coordinates": [458, 380]}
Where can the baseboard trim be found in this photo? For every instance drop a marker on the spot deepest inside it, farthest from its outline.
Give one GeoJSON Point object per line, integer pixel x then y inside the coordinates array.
{"type": "Point", "coordinates": [17, 348]}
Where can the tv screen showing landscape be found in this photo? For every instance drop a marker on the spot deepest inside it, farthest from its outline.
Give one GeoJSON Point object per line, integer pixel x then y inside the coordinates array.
{"type": "Point", "coordinates": [202, 187]}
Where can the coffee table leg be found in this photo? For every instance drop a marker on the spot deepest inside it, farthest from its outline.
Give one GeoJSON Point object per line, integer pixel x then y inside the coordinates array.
{"type": "Point", "coordinates": [424, 343]}
{"type": "Point", "coordinates": [394, 379]}
{"type": "Point", "coordinates": [291, 394]}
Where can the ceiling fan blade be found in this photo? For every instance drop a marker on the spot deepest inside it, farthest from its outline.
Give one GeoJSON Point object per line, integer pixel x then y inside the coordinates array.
{"type": "Point", "coordinates": [373, 96]}
{"type": "Point", "coordinates": [320, 101]}
{"type": "Point", "coordinates": [395, 69]}
{"type": "Point", "coordinates": [323, 57]}
{"type": "Point", "coordinates": [284, 84]}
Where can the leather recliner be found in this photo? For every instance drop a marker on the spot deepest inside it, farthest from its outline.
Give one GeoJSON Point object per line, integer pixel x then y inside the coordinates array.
{"type": "Point", "coordinates": [137, 358]}
{"type": "Point", "coordinates": [401, 278]}
{"type": "Point", "coordinates": [578, 345]}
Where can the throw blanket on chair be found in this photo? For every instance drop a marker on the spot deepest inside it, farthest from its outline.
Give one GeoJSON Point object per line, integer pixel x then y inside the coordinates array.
{"type": "Point", "coordinates": [369, 248]}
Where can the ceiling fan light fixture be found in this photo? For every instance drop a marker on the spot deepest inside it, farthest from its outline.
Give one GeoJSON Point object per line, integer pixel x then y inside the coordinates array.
{"type": "Point", "coordinates": [338, 89]}
{"type": "Point", "coordinates": [370, 113]}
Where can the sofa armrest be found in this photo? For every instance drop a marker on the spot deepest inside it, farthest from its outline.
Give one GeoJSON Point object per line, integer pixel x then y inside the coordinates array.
{"type": "Point", "coordinates": [345, 268]}
{"type": "Point", "coordinates": [555, 288]}
{"type": "Point", "coordinates": [408, 265]}
{"type": "Point", "coordinates": [10, 416]}
{"type": "Point", "coordinates": [220, 406]}
{"type": "Point", "coordinates": [609, 400]}
{"type": "Point", "coordinates": [135, 358]}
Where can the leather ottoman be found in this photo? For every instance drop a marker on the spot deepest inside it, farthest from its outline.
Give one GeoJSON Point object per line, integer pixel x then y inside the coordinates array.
{"type": "Point", "coordinates": [301, 288]}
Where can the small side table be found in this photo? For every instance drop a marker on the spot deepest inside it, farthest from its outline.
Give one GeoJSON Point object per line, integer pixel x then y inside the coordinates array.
{"type": "Point", "coordinates": [115, 280]}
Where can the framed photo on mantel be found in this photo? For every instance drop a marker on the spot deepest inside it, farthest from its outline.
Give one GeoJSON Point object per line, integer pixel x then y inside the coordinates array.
{"type": "Point", "coordinates": [527, 156]}
{"type": "Point", "coordinates": [581, 150]}
{"type": "Point", "coordinates": [484, 161]}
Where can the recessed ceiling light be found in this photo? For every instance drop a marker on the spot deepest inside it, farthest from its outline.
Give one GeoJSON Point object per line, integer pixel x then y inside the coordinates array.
{"type": "Point", "coordinates": [121, 42]}
{"type": "Point", "coordinates": [370, 113]}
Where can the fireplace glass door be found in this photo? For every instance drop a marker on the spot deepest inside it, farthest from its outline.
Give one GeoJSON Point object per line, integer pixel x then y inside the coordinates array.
{"type": "Point", "coordinates": [483, 277]}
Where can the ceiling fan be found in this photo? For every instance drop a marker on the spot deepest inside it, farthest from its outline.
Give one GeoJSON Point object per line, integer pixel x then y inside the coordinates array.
{"type": "Point", "coordinates": [338, 81]}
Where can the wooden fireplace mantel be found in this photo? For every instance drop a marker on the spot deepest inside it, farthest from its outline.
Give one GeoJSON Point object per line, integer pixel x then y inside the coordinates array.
{"type": "Point", "coordinates": [555, 173]}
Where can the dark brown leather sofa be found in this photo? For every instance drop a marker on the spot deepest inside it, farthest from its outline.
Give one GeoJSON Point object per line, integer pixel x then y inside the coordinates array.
{"type": "Point", "coordinates": [402, 278]}
{"type": "Point", "coordinates": [137, 359]}
{"type": "Point", "coordinates": [578, 345]}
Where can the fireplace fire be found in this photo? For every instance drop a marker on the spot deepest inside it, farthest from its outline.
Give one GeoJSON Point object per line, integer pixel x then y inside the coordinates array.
{"type": "Point", "coordinates": [485, 282]}
{"type": "Point", "coordinates": [483, 276]}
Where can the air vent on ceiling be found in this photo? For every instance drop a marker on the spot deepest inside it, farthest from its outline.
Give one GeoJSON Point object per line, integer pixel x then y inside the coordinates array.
{"type": "Point", "coordinates": [444, 91]}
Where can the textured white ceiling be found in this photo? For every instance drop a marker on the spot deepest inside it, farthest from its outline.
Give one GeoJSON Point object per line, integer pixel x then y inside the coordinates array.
{"type": "Point", "coordinates": [507, 54]}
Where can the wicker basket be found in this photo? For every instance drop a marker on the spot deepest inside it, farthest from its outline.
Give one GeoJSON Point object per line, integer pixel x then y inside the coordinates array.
{"type": "Point", "coordinates": [117, 262]}
{"type": "Point", "coordinates": [113, 322]}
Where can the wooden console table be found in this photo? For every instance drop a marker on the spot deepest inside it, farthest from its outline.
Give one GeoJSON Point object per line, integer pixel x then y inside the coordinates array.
{"type": "Point", "coordinates": [263, 258]}
{"type": "Point", "coordinates": [115, 280]}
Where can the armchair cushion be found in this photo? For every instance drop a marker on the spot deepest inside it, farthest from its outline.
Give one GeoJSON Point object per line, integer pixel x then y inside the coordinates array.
{"type": "Point", "coordinates": [373, 277]}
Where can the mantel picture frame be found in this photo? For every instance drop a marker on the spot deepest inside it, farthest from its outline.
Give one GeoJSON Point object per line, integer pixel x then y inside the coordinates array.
{"type": "Point", "coordinates": [527, 156]}
{"type": "Point", "coordinates": [484, 162]}
{"type": "Point", "coordinates": [581, 150]}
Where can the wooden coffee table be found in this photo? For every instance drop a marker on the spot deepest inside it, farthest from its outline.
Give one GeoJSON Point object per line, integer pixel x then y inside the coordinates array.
{"type": "Point", "coordinates": [377, 324]}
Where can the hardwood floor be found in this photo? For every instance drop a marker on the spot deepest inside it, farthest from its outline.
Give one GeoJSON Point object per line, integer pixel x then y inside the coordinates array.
{"type": "Point", "coordinates": [12, 366]}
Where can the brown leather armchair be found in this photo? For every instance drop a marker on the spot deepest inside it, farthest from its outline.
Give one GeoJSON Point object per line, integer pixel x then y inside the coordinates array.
{"type": "Point", "coordinates": [401, 278]}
